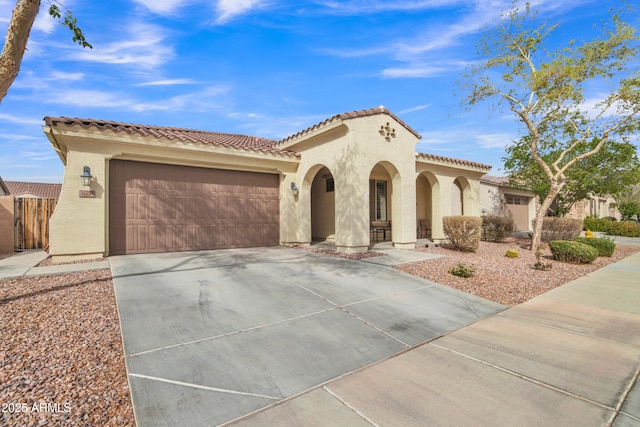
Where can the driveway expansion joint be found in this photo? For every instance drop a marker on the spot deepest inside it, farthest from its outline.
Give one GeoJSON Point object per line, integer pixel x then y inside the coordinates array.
{"type": "Point", "coordinates": [623, 398]}
{"type": "Point", "coordinates": [201, 387]}
{"type": "Point", "coordinates": [523, 377]}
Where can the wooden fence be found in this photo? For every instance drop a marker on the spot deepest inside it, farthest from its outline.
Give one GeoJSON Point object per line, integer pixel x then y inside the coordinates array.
{"type": "Point", "coordinates": [32, 222]}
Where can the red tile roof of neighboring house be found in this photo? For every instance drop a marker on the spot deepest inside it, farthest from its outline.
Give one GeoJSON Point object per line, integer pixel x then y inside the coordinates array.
{"type": "Point", "coordinates": [453, 161]}
{"type": "Point", "coordinates": [214, 138]}
{"type": "Point", "coordinates": [38, 189]}
{"type": "Point", "coordinates": [351, 115]}
{"type": "Point", "coordinates": [497, 180]}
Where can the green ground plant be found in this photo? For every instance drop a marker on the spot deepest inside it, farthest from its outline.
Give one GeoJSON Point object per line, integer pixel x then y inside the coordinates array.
{"type": "Point", "coordinates": [605, 246]}
{"type": "Point", "coordinates": [573, 252]}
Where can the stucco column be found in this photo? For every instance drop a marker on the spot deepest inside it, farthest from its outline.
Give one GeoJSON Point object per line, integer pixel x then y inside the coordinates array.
{"type": "Point", "coordinates": [85, 235]}
{"type": "Point", "coordinates": [404, 209]}
{"type": "Point", "coordinates": [352, 214]}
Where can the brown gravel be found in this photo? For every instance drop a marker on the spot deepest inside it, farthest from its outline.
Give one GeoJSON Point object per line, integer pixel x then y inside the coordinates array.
{"type": "Point", "coordinates": [508, 281]}
{"type": "Point", "coordinates": [61, 357]}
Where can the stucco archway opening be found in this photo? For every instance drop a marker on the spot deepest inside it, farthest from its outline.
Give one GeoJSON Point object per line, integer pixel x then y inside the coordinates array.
{"type": "Point", "coordinates": [427, 191]}
{"type": "Point", "coordinates": [382, 179]}
{"type": "Point", "coordinates": [323, 206]}
{"type": "Point", "coordinates": [460, 196]}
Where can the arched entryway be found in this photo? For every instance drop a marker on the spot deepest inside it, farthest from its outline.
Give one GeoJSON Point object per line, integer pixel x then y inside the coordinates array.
{"type": "Point", "coordinates": [460, 196]}
{"type": "Point", "coordinates": [323, 206]}
{"type": "Point", "coordinates": [382, 200]}
{"type": "Point", "coordinates": [427, 197]}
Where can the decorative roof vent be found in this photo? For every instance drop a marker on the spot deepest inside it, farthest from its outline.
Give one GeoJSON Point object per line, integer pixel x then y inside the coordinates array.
{"type": "Point", "coordinates": [387, 131]}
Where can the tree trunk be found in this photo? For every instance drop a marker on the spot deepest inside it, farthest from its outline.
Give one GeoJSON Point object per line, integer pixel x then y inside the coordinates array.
{"type": "Point", "coordinates": [24, 14]}
{"type": "Point", "coordinates": [542, 211]}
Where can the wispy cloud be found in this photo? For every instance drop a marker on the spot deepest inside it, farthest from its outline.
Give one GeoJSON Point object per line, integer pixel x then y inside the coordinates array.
{"type": "Point", "coordinates": [11, 118]}
{"type": "Point", "coordinates": [162, 7]}
{"type": "Point", "coordinates": [359, 7]}
{"type": "Point", "coordinates": [144, 46]}
{"type": "Point", "coordinates": [413, 109]}
{"type": "Point", "coordinates": [202, 100]}
{"type": "Point", "coordinates": [229, 9]}
{"type": "Point", "coordinates": [168, 82]}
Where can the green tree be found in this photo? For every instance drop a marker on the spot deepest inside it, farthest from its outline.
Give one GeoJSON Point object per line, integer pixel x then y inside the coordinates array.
{"type": "Point", "coordinates": [545, 90]}
{"type": "Point", "coordinates": [15, 42]}
{"type": "Point", "coordinates": [610, 171]}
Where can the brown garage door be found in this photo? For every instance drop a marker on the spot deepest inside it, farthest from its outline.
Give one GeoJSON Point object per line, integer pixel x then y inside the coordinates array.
{"type": "Point", "coordinates": [165, 208]}
{"type": "Point", "coordinates": [518, 209]}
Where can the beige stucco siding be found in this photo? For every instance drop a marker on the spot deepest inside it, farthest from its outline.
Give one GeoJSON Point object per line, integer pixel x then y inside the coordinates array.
{"type": "Point", "coordinates": [87, 235]}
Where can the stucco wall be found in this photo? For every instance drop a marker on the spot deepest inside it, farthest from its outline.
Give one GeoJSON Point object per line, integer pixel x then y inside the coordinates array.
{"type": "Point", "coordinates": [354, 152]}
{"type": "Point", "coordinates": [6, 225]}
{"type": "Point", "coordinates": [79, 226]}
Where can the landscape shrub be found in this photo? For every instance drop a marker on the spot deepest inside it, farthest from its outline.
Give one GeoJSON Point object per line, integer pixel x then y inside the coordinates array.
{"type": "Point", "coordinates": [560, 229]}
{"type": "Point", "coordinates": [605, 247]}
{"type": "Point", "coordinates": [624, 228]}
{"type": "Point", "coordinates": [496, 228]}
{"type": "Point", "coordinates": [511, 253]}
{"type": "Point", "coordinates": [462, 232]}
{"type": "Point", "coordinates": [597, 224]}
{"type": "Point", "coordinates": [463, 270]}
{"type": "Point", "coordinates": [573, 252]}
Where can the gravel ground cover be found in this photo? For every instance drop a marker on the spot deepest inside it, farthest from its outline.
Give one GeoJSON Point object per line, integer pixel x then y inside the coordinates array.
{"type": "Point", "coordinates": [508, 281]}
{"type": "Point", "coordinates": [61, 357]}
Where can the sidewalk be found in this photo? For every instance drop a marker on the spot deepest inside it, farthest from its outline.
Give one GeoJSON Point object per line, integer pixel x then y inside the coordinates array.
{"type": "Point", "coordinates": [24, 264]}
{"type": "Point", "coordinates": [569, 357]}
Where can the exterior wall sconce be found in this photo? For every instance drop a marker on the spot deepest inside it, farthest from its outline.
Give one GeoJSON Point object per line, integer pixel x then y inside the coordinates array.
{"type": "Point", "coordinates": [484, 211]}
{"type": "Point", "coordinates": [86, 176]}
{"type": "Point", "coordinates": [294, 189]}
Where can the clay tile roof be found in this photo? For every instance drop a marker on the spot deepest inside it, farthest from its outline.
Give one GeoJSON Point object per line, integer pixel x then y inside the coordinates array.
{"type": "Point", "coordinates": [38, 189]}
{"type": "Point", "coordinates": [187, 135]}
{"type": "Point", "coordinates": [497, 180]}
{"type": "Point", "coordinates": [442, 159]}
{"type": "Point", "coordinates": [351, 115]}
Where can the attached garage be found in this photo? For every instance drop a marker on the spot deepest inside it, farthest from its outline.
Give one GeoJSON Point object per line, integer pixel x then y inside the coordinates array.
{"type": "Point", "coordinates": [518, 208]}
{"type": "Point", "coordinates": [165, 208]}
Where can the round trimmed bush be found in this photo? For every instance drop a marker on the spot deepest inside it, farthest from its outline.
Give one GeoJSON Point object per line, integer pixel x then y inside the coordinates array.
{"type": "Point", "coordinates": [573, 252]}
{"type": "Point", "coordinates": [605, 247]}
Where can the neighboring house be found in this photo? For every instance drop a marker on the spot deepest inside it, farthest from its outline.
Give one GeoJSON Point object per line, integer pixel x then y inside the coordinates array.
{"type": "Point", "coordinates": [32, 204]}
{"type": "Point", "coordinates": [6, 220]}
{"type": "Point", "coordinates": [4, 191]}
{"type": "Point", "coordinates": [35, 190]}
{"type": "Point", "coordinates": [595, 206]}
{"type": "Point", "coordinates": [157, 189]}
{"type": "Point", "coordinates": [498, 198]}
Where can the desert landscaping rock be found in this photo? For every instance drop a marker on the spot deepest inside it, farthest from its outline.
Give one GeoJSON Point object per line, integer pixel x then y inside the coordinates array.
{"type": "Point", "coordinates": [61, 357]}
{"type": "Point", "coordinates": [504, 280]}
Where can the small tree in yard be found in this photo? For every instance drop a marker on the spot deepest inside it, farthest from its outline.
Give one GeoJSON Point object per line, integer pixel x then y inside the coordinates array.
{"type": "Point", "coordinates": [15, 43]}
{"type": "Point", "coordinates": [546, 90]}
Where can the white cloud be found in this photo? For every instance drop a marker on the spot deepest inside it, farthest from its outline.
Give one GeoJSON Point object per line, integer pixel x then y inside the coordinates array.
{"type": "Point", "coordinates": [414, 71]}
{"type": "Point", "coordinates": [494, 140]}
{"type": "Point", "coordinates": [143, 46]}
{"type": "Point", "coordinates": [162, 7]}
{"type": "Point", "coordinates": [229, 9]}
{"type": "Point", "coordinates": [168, 82]}
{"type": "Point", "coordinates": [358, 7]}
{"type": "Point", "coordinates": [413, 109]}
{"type": "Point", "coordinates": [12, 118]}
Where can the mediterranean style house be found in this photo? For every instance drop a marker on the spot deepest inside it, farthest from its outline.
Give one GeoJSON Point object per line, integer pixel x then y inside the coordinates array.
{"type": "Point", "coordinates": [136, 189]}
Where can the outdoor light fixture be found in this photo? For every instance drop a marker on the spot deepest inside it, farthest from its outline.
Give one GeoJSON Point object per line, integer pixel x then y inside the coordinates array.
{"type": "Point", "coordinates": [86, 176]}
{"type": "Point", "coordinates": [294, 189]}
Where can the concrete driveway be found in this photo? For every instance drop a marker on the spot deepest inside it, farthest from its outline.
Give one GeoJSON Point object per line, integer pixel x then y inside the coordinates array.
{"type": "Point", "coordinates": [211, 336]}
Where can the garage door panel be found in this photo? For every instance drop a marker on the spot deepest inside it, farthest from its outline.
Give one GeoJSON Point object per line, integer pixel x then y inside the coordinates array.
{"type": "Point", "coordinates": [157, 208]}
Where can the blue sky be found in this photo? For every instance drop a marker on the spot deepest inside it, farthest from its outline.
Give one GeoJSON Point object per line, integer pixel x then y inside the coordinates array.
{"type": "Point", "coordinates": [267, 68]}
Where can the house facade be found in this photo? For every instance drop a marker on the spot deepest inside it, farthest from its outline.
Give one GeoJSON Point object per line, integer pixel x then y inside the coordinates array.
{"type": "Point", "coordinates": [157, 189]}
{"type": "Point", "coordinates": [498, 198]}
